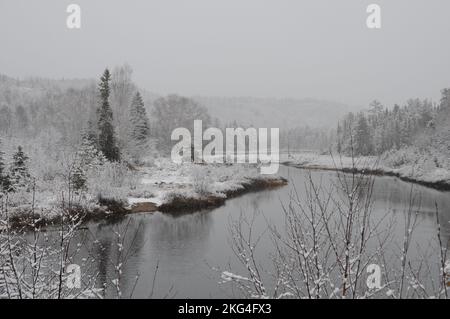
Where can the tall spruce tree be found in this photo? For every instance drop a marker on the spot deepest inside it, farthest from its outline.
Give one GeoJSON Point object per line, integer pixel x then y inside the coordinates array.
{"type": "Point", "coordinates": [106, 137]}
{"type": "Point", "coordinates": [140, 127]}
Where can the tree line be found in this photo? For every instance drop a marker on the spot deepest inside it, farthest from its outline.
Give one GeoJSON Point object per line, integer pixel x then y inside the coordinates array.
{"type": "Point", "coordinates": [93, 123]}
{"type": "Point", "coordinates": [381, 129]}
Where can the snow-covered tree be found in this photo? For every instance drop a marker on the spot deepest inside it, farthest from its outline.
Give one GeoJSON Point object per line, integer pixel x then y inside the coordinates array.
{"type": "Point", "coordinates": [4, 177]}
{"type": "Point", "coordinates": [22, 117]}
{"type": "Point", "coordinates": [20, 175]}
{"type": "Point", "coordinates": [445, 99]}
{"type": "Point", "coordinates": [106, 138]}
{"type": "Point", "coordinates": [139, 124]}
{"type": "Point", "coordinates": [88, 157]}
{"type": "Point", "coordinates": [89, 134]}
{"type": "Point", "coordinates": [175, 111]}
{"type": "Point", "coordinates": [5, 119]}
{"type": "Point", "coordinates": [380, 130]}
{"type": "Point", "coordinates": [122, 90]}
{"type": "Point", "coordinates": [363, 143]}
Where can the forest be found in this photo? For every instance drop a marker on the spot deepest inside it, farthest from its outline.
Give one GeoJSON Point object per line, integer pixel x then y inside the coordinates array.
{"type": "Point", "coordinates": [416, 133]}
{"type": "Point", "coordinates": [84, 138]}
{"type": "Point", "coordinates": [74, 151]}
{"type": "Point", "coordinates": [89, 136]}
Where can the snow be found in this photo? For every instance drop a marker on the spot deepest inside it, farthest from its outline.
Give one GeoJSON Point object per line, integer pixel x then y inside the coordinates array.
{"type": "Point", "coordinates": [410, 163]}
{"type": "Point", "coordinates": [228, 276]}
{"type": "Point", "coordinates": [447, 267]}
{"type": "Point", "coordinates": [164, 179]}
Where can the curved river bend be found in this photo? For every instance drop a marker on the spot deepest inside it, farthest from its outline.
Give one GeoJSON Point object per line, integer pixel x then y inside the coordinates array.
{"type": "Point", "coordinates": [188, 248]}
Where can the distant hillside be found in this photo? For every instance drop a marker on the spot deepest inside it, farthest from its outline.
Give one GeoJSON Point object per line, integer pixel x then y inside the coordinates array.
{"type": "Point", "coordinates": [274, 112]}
{"type": "Point", "coordinates": [260, 112]}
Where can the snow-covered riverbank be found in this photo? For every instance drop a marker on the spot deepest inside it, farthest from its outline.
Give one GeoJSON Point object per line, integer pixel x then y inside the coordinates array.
{"type": "Point", "coordinates": [167, 186]}
{"type": "Point", "coordinates": [409, 166]}
{"type": "Point", "coordinates": [157, 185]}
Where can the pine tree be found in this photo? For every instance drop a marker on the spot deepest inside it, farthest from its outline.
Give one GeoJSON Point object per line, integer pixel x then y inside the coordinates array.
{"type": "Point", "coordinates": [19, 170]}
{"type": "Point", "coordinates": [78, 178]}
{"type": "Point", "coordinates": [89, 134]}
{"type": "Point", "coordinates": [445, 99]}
{"type": "Point", "coordinates": [4, 177]}
{"type": "Point", "coordinates": [363, 142]}
{"type": "Point", "coordinates": [87, 157]}
{"type": "Point", "coordinates": [106, 138]}
{"type": "Point", "coordinates": [140, 127]}
{"type": "Point", "coordinates": [22, 117]}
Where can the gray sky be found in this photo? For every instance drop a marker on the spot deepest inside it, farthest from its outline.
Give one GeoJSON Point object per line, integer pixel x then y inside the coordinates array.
{"type": "Point", "coordinates": [277, 48]}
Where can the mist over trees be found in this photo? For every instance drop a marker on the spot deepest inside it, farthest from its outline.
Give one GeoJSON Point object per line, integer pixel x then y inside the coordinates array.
{"type": "Point", "coordinates": [172, 112]}
{"type": "Point", "coordinates": [83, 134]}
{"type": "Point", "coordinates": [381, 129]}
{"type": "Point", "coordinates": [110, 120]}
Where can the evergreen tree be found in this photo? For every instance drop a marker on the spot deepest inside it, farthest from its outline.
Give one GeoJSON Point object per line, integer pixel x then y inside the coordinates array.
{"type": "Point", "coordinates": [5, 119]}
{"type": "Point", "coordinates": [140, 127]}
{"type": "Point", "coordinates": [87, 157]}
{"type": "Point", "coordinates": [78, 178]}
{"type": "Point", "coordinates": [22, 117]}
{"type": "Point", "coordinates": [445, 99]}
{"type": "Point", "coordinates": [363, 143]}
{"type": "Point", "coordinates": [106, 138]}
{"type": "Point", "coordinates": [4, 177]}
{"type": "Point", "coordinates": [89, 134]}
{"type": "Point", "coordinates": [19, 170]}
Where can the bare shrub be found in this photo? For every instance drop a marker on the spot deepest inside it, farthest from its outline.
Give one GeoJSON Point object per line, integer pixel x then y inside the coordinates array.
{"type": "Point", "coordinates": [329, 239]}
{"type": "Point", "coordinates": [201, 180]}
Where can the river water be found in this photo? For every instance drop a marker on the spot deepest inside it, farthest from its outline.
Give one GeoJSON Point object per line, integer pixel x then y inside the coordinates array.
{"type": "Point", "coordinates": [187, 252]}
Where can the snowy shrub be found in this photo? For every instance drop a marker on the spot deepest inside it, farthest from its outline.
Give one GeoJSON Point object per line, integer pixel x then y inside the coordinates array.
{"type": "Point", "coordinates": [111, 181]}
{"type": "Point", "coordinates": [397, 158]}
{"type": "Point", "coordinates": [148, 162]}
{"type": "Point", "coordinates": [141, 193]}
{"type": "Point", "coordinates": [201, 180]}
{"type": "Point", "coordinates": [171, 196]}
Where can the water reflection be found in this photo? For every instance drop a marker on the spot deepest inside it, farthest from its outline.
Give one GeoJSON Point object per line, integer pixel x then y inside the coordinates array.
{"type": "Point", "coordinates": [186, 247]}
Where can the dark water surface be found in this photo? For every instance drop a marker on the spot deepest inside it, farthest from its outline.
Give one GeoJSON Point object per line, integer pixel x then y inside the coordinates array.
{"type": "Point", "coordinates": [188, 248]}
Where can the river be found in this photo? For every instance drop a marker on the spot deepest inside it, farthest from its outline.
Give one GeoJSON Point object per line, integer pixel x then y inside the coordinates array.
{"type": "Point", "coordinates": [191, 250]}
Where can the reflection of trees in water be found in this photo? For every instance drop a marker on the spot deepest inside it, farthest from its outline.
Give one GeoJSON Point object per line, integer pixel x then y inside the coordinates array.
{"type": "Point", "coordinates": [181, 243]}
{"type": "Point", "coordinates": [191, 230]}
{"type": "Point", "coordinates": [147, 239]}
{"type": "Point", "coordinates": [258, 198]}
{"type": "Point", "coordinates": [392, 194]}
{"type": "Point", "coordinates": [109, 246]}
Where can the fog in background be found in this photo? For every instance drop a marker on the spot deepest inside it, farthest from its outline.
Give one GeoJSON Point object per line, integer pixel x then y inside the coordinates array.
{"type": "Point", "coordinates": [283, 48]}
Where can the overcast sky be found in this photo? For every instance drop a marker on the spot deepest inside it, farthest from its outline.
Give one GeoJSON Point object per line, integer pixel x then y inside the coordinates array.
{"type": "Point", "coordinates": [276, 48]}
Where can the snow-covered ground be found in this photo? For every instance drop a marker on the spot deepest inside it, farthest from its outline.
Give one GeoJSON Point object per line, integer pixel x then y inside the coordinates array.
{"type": "Point", "coordinates": [164, 180]}
{"type": "Point", "coordinates": [409, 164]}
{"type": "Point", "coordinates": [114, 189]}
